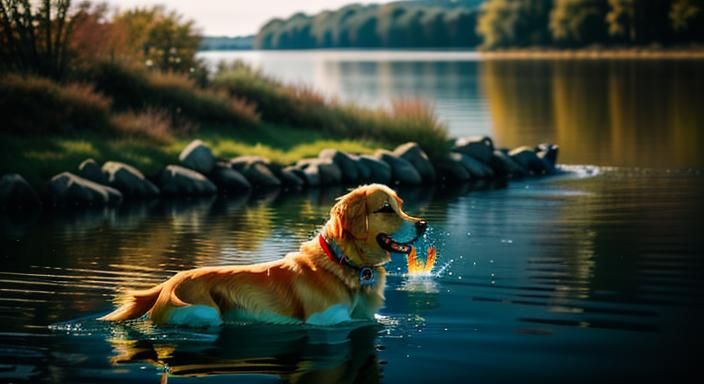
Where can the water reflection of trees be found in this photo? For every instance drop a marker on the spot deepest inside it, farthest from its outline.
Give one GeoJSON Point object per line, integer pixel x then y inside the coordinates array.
{"type": "Point", "coordinates": [618, 112]}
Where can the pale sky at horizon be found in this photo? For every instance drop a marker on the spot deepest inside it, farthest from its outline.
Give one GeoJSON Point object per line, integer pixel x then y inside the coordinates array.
{"type": "Point", "coordinates": [236, 17]}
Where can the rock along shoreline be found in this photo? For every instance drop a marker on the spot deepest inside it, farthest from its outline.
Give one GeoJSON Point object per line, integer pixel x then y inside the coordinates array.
{"type": "Point", "coordinates": [200, 173]}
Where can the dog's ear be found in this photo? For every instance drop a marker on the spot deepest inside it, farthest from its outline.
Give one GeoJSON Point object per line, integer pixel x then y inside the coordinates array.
{"type": "Point", "coordinates": [350, 215]}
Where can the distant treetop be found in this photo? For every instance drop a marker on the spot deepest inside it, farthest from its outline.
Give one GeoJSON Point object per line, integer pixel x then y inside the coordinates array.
{"type": "Point", "coordinates": [410, 24]}
{"type": "Point", "coordinates": [491, 24]}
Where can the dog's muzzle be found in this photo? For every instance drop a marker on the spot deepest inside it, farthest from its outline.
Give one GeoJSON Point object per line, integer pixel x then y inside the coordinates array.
{"type": "Point", "coordinates": [387, 243]}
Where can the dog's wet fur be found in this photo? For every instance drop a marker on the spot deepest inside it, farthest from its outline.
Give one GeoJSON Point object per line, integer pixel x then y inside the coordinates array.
{"type": "Point", "coordinates": [303, 287]}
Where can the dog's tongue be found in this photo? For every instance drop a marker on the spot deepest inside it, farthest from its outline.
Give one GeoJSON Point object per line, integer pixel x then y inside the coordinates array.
{"type": "Point", "coordinates": [390, 245]}
{"type": "Point", "coordinates": [401, 248]}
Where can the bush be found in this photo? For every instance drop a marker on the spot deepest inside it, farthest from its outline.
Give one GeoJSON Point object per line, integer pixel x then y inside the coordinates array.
{"type": "Point", "coordinates": [151, 124]}
{"type": "Point", "coordinates": [32, 104]}
{"type": "Point", "coordinates": [137, 89]}
{"type": "Point", "coordinates": [404, 121]}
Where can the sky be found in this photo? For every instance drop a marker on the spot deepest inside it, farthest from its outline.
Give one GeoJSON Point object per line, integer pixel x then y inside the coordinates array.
{"type": "Point", "coordinates": [238, 17]}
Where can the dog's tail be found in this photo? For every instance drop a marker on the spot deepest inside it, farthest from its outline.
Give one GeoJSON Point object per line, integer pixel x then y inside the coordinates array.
{"type": "Point", "coordinates": [134, 304]}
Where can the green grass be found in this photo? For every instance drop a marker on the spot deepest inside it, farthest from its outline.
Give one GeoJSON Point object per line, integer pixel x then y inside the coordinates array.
{"type": "Point", "coordinates": [38, 158]}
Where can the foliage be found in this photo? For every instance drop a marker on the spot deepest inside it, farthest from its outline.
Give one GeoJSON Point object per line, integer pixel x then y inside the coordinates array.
{"type": "Point", "coordinates": [47, 37]}
{"type": "Point", "coordinates": [640, 21]}
{"type": "Point", "coordinates": [34, 36]}
{"type": "Point", "coordinates": [161, 38]}
{"type": "Point", "coordinates": [579, 22]}
{"type": "Point", "coordinates": [514, 23]}
{"type": "Point", "coordinates": [687, 18]}
{"type": "Point", "coordinates": [95, 36]}
{"type": "Point", "coordinates": [38, 105]}
{"type": "Point", "coordinates": [134, 88]}
{"type": "Point", "coordinates": [397, 25]}
{"type": "Point", "coordinates": [567, 23]}
{"type": "Point", "coordinates": [152, 124]}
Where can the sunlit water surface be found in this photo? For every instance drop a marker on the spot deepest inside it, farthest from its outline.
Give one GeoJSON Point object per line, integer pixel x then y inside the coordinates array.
{"type": "Point", "coordinates": [638, 112]}
{"type": "Point", "coordinates": [589, 276]}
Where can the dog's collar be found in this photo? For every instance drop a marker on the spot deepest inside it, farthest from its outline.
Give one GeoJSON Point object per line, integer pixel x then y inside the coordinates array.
{"type": "Point", "coordinates": [335, 254]}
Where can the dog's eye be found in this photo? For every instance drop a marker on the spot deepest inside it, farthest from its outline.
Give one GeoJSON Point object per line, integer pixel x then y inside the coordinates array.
{"type": "Point", "coordinates": [386, 208]}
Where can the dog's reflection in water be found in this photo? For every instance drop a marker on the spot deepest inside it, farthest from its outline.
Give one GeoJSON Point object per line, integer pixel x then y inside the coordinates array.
{"type": "Point", "coordinates": [295, 354]}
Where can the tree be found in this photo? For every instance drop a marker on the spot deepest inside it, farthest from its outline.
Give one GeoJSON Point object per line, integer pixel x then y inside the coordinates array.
{"type": "Point", "coordinates": [687, 20]}
{"type": "Point", "coordinates": [34, 36]}
{"type": "Point", "coordinates": [400, 24]}
{"type": "Point", "coordinates": [507, 23]}
{"type": "Point", "coordinates": [96, 37]}
{"type": "Point", "coordinates": [579, 22]}
{"type": "Point", "coordinates": [639, 21]}
{"type": "Point", "coordinates": [161, 39]}
{"type": "Point", "coordinates": [460, 27]}
{"type": "Point", "coordinates": [363, 31]}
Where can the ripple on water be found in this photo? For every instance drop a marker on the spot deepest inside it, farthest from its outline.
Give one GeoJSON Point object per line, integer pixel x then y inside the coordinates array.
{"type": "Point", "coordinates": [598, 266]}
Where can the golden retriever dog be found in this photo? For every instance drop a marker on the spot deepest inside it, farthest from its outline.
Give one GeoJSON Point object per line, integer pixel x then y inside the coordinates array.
{"type": "Point", "coordinates": [338, 276]}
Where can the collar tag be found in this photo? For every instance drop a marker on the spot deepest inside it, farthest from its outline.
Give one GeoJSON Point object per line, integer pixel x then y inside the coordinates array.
{"type": "Point", "coordinates": [366, 276]}
{"type": "Point", "coordinates": [366, 273]}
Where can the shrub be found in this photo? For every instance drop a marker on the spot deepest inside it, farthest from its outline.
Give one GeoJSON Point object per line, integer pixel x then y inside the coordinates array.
{"type": "Point", "coordinates": [152, 124]}
{"type": "Point", "coordinates": [134, 88]}
{"type": "Point", "coordinates": [32, 104]}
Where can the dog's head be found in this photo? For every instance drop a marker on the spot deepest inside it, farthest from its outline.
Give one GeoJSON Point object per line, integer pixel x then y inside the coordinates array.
{"type": "Point", "coordinates": [369, 223]}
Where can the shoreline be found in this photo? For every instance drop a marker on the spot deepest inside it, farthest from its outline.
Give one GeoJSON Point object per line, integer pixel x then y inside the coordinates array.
{"type": "Point", "coordinates": [641, 53]}
{"type": "Point", "coordinates": [696, 53]}
{"type": "Point", "coordinates": [198, 171]}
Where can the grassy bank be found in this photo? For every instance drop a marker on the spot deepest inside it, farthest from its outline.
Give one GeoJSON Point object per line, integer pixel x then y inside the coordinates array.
{"type": "Point", "coordinates": [111, 111]}
{"type": "Point", "coordinates": [39, 157]}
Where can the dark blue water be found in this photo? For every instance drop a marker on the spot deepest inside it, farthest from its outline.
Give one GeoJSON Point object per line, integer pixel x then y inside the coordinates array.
{"type": "Point", "coordinates": [592, 276]}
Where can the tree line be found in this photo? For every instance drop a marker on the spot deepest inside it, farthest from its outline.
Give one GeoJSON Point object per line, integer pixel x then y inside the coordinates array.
{"type": "Point", "coordinates": [402, 25]}
{"type": "Point", "coordinates": [492, 24]}
{"type": "Point", "coordinates": [578, 23]}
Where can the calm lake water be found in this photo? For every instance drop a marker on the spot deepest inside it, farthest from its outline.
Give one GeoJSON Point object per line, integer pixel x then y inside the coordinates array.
{"type": "Point", "coordinates": [638, 113]}
{"type": "Point", "coordinates": [596, 275]}
{"type": "Point", "coordinates": [582, 277]}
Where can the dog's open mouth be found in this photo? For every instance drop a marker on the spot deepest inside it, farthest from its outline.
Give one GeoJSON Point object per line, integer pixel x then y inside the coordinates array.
{"type": "Point", "coordinates": [387, 243]}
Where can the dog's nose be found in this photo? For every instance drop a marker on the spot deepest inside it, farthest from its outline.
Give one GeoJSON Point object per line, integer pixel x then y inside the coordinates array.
{"type": "Point", "coordinates": [421, 226]}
